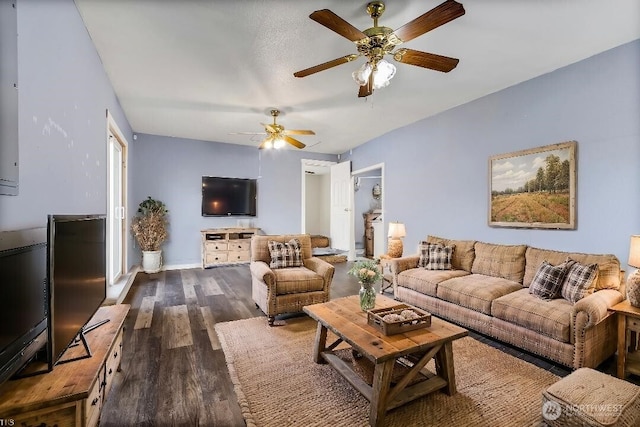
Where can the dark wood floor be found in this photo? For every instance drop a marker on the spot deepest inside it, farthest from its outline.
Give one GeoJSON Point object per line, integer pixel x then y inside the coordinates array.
{"type": "Point", "coordinates": [173, 369]}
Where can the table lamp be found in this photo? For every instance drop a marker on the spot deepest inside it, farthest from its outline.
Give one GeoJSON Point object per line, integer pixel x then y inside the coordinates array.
{"type": "Point", "coordinates": [396, 233]}
{"type": "Point", "coordinates": [633, 281]}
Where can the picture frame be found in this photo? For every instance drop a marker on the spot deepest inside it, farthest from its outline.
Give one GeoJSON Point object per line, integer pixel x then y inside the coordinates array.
{"type": "Point", "coordinates": [534, 188]}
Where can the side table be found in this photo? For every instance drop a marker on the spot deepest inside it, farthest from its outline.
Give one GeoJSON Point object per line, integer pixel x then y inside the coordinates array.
{"type": "Point", "coordinates": [387, 278]}
{"type": "Point", "coordinates": [628, 333]}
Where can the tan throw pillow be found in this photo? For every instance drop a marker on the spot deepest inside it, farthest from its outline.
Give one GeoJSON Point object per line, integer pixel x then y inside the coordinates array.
{"type": "Point", "coordinates": [285, 255]}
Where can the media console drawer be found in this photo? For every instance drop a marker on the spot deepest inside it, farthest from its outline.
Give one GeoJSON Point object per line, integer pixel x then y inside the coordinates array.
{"type": "Point", "coordinates": [216, 245]}
{"type": "Point", "coordinates": [221, 246]}
{"type": "Point", "coordinates": [216, 257]}
{"type": "Point", "coordinates": [239, 256]}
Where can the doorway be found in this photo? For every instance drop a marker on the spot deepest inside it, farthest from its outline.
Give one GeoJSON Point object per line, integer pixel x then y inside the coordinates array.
{"type": "Point", "coordinates": [317, 197]}
{"type": "Point", "coordinates": [368, 204]}
{"type": "Point", "coordinates": [117, 200]}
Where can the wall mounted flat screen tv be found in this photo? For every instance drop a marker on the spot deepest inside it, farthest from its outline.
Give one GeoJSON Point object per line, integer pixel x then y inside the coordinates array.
{"type": "Point", "coordinates": [24, 300]}
{"type": "Point", "coordinates": [77, 267]}
{"type": "Point", "coordinates": [228, 196]}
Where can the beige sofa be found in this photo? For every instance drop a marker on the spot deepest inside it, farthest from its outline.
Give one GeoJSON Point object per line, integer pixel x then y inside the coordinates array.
{"type": "Point", "coordinates": [487, 291]}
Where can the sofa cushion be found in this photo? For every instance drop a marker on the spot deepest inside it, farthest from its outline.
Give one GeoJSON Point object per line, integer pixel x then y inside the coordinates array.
{"type": "Point", "coordinates": [434, 256]}
{"type": "Point", "coordinates": [608, 265]}
{"type": "Point", "coordinates": [547, 282]}
{"type": "Point", "coordinates": [463, 255]}
{"type": "Point", "coordinates": [285, 254]}
{"type": "Point", "coordinates": [551, 318]}
{"type": "Point", "coordinates": [475, 291]}
{"type": "Point", "coordinates": [579, 282]}
{"type": "Point", "coordinates": [506, 261]}
{"type": "Point", "coordinates": [297, 279]}
{"type": "Point", "coordinates": [426, 281]}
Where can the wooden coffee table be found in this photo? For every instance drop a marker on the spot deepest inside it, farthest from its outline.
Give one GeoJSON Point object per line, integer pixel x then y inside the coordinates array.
{"type": "Point", "coordinates": [410, 351]}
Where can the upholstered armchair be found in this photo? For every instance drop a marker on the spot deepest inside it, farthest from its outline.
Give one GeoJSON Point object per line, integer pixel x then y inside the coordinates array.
{"type": "Point", "coordinates": [287, 289]}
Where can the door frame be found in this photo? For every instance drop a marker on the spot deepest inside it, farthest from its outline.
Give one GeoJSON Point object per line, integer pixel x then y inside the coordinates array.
{"type": "Point", "coordinates": [112, 128]}
{"type": "Point", "coordinates": [352, 237]}
{"type": "Point", "coordinates": [309, 165]}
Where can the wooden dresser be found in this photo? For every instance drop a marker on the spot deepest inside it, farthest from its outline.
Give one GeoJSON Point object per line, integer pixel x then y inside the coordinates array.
{"type": "Point", "coordinates": [371, 241]}
{"type": "Point", "coordinates": [222, 246]}
{"type": "Point", "coordinates": [72, 394]}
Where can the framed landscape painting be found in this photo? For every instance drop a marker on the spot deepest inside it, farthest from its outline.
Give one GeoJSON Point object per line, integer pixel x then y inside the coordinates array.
{"type": "Point", "coordinates": [534, 188]}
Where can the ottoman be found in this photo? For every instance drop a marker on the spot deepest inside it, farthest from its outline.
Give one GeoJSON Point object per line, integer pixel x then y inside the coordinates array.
{"type": "Point", "coordinates": [587, 397]}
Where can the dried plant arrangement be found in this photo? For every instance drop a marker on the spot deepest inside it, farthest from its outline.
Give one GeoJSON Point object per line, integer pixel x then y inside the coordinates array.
{"type": "Point", "coordinates": [149, 226]}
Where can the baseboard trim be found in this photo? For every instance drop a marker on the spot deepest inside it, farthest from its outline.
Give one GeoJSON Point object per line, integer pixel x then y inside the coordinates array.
{"type": "Point", "coordinates": [180, 266]}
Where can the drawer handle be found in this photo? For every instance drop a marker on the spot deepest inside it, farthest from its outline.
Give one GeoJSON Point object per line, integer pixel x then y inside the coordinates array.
{"type": "Point", "coordinates": [110, 371]}
{"type": "Point", "coordinates": [115, 354]}
{"type": "Point", "coordinates": [103, 383]}
{"type": "Point", "coordinates": [94, 402]}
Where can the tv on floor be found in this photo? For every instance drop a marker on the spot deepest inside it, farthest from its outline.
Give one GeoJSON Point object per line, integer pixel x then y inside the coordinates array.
{"type": "Point", "coordinates": [77, 267]}
{"type": "Point", "coordinates": [228, 196]}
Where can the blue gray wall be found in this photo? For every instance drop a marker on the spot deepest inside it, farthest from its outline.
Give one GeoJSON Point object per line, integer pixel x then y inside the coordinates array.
{"type": "Point", "coordinates": [171, 170]}
{"type": "Point", "coordinates": [63, 96]}
{"type": "Point", "coordinates": [436, 174]}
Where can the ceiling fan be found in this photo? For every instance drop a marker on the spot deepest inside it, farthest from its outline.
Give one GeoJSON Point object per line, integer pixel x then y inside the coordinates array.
{"type": "Point", "coordinates": [376, 42]}
{"type": "Point", "coordinates": [277, 135]}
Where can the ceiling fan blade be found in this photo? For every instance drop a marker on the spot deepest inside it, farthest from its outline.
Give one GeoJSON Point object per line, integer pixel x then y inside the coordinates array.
{"type": "Point", "coordinates": [439, 15]}
{"type": "Point", "coordinates": [326, 65]}
{"type": "Point", "coordinates": [293, 141]}
{"type": "Point", "coordinates": [298, 132]}
{"type": "Point", "coordinates": [366, 90]}
{"type": "Point", "coordinates": [335, 23]}
{"type": "Point", "coordinates": [426, 60]}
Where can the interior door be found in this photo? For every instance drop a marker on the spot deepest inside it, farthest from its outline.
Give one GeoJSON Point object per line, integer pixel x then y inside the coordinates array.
{"type": "Point", "coordinates": [341, 205]}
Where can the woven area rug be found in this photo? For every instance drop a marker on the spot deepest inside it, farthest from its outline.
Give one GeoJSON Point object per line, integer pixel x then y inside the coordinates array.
{"type": "Point", "coordinates": [278, 384]}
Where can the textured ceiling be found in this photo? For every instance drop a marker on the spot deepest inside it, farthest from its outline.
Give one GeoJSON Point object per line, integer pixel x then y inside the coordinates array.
{"type": "Point", "coordinates": [203, 69]}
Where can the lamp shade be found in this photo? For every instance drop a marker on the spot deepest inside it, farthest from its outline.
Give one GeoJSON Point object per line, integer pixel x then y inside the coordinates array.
{"type": "Point", "coordinates": [634, 251]}
{"type": "Point", "coordinates": [397, 230]}
{"type": "Point", "coordinates": [383, 74]}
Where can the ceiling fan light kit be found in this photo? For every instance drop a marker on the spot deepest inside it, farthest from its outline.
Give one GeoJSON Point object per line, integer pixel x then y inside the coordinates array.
{"type": "Point", "coordinates": [376, 42]}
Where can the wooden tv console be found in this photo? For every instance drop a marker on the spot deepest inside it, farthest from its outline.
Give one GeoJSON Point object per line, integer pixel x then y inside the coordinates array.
{"type": "Point", "coordinates": [222, 246]}
{"type": "Point", "coordinates": [72, 394]}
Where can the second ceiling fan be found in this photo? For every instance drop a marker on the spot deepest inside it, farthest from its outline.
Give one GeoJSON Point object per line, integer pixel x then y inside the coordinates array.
{"type": "Point", "coordinates": [277, 135]}
{"type": "Point", "coordinates": [376, 42]}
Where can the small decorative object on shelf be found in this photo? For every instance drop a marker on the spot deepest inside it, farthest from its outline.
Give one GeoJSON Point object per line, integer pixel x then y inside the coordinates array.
{"type": "Point", "coordinates": [633, 281]}
{"type": "Point", "coordinates": [367, 272]}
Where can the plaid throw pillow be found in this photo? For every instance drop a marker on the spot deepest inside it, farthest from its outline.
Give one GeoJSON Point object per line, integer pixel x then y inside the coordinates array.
{"type": "Point", "coordinates": [285, 254]}
{"type": "Point", "coordinates": [547, 282]}
{"type": "Point", "coordinates": [434, 256]}
{"type": "Point", "coordinates": [423, 248]}
{"type": "Point", "coordinates": [579, 282]}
